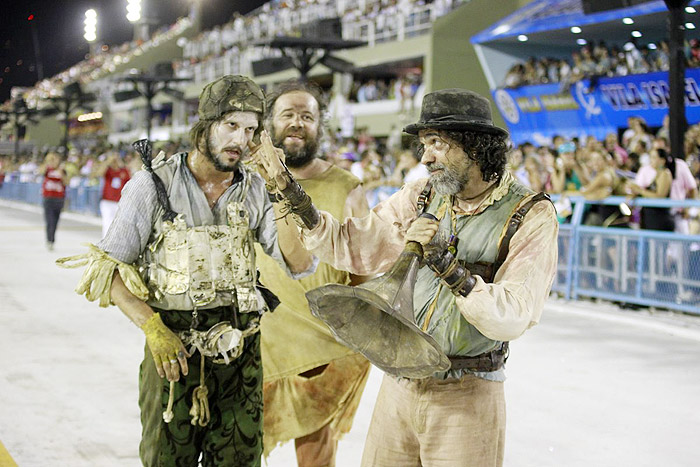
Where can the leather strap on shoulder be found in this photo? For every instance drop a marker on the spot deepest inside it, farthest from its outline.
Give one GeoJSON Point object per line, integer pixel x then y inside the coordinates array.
{"type": "Point", "coordinates": [513, 226]}
{"type": "Point", "coordinates": [424, 198]}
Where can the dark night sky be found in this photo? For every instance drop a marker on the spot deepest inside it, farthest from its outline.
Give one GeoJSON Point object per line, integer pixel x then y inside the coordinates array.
{"type": "Point", "coordinates": [59, 29]}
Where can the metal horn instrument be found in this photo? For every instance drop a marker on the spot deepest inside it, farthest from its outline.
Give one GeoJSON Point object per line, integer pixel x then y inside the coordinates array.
{"type": "Point", "coordinates": [376, 319]}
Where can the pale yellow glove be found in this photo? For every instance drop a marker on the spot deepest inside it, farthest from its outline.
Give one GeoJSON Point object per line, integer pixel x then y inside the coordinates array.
{"type": "Point", "coordinates": [169, 354]}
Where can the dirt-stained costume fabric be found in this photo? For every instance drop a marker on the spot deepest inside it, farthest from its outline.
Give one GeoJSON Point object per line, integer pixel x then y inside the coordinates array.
{"type": "Point", "coordinates": [194, 265]}
{"type": "Point", "coordinates": [170, 261]}
{"type": "Point", "coordinates": [455, 417]}
{"type": "Point", "coordinates": [297, 405]}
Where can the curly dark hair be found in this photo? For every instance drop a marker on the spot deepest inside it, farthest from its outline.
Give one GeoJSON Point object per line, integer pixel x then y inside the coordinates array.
{"type": "Point", "coordinates": [293, 86]}
{"type": "Point", "coordinates": [488, 150]}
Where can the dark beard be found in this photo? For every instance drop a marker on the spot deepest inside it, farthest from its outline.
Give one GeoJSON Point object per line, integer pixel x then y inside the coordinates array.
{"type": "Point", "coordinates": [217, 163]}
{"type": "Point", "coordinates": [296, 158]}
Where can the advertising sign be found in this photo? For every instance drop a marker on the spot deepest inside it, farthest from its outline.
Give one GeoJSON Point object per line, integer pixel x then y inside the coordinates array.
{"type": "Point", "coordinates": [536, 113]}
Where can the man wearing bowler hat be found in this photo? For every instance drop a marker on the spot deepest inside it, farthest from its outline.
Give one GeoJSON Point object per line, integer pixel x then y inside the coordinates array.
{"type": "Point", "coordinates": [484, 279]}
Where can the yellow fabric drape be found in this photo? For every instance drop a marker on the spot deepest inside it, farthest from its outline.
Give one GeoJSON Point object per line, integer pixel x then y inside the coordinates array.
{"type": "Point", "coordinates": [96, 281]}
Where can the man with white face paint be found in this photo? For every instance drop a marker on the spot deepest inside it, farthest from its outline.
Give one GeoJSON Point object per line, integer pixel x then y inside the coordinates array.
{"type": "Point", "coordinates": [311, 389]}
{"type": "Point", "coordinates": [483, 286]}
{"type": "Point", "coordinates": [179, 262]}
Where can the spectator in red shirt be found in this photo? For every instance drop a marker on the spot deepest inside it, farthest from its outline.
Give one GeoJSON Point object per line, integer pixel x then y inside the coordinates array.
{"type": "Point", "coordinates": [53, 190]}
{"type": "Point", "coordinates": [115, 176]}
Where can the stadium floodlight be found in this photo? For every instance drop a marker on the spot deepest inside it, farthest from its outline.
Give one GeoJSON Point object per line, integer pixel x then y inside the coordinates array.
{"type": "Point", "coordinates": [581, 41]}
{"type": "Point", "coordinates": [133, 10]}
{"type": "Point", "coordinates": [522, 38]}
{"type": "Point", "coordinates": [690, 25]}
{"type": "Point", "coordinates": [636, 34]}
{"type": "Point", "coordinates": [627, 20]}
{"type": "Point", "coordinates": [690, 10]}
{"type": "Point", "coordinates": [90, 25]}
{"type": "Point", "coordinates": [576, 30]}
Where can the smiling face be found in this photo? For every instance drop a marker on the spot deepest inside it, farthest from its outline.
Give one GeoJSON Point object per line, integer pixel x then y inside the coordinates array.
{"type": "Point", "coordinates": [295, 127]}
{"type": "Point", "coordinates": [229, 139]}
{"type": "Point", "coordinates": [450, 168]}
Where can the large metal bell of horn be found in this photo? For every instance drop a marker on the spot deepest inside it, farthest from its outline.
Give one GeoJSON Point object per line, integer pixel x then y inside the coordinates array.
{"type": "Point", "coordinates": [376, 319]}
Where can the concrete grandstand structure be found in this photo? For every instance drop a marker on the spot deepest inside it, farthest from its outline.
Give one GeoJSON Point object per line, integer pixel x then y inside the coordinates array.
{"type": "Point", "coordinates": [429, 43]}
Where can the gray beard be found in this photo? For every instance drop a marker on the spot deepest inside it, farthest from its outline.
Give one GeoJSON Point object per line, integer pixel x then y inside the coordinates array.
{"type": "Point", "coordinates": [447, 182]}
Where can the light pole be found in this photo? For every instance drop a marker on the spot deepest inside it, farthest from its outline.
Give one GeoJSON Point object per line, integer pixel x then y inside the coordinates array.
{"type": "Point", "coordinates": [20, 115]}
{"type": "Point", "coordinates": [91, 29]}
{"type": "Point", "coordinates": [133, 14]}
{"type": "Point", "coordinates": [676, 77]}
{"type": "Point", "coordinates": [148, 85]}
{"type": "Point", "coordinates": [73, 98]}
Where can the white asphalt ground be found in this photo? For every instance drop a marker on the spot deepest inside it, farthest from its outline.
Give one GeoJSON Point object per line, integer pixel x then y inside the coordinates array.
{"type": "Point", "coordinates": [590, 386]}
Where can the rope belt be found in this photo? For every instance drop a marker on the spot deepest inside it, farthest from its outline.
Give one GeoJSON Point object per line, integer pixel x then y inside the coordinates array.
{"type": "Point", "coordinates": [222, 340]}
{"type": "Point", "coordinates": [488, 361]}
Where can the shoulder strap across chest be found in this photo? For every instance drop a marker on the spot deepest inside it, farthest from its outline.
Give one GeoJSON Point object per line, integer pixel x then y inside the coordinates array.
{"type": "Point", "coordinates": [513, 225]}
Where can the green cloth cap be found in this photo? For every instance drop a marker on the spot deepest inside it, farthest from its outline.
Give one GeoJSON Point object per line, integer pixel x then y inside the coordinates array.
{"type": "Point", "coordinates": [230, 93]}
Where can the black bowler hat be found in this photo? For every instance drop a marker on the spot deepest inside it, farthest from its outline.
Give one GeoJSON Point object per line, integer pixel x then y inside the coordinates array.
{"type": "Point", "coordinates": [455, 109]}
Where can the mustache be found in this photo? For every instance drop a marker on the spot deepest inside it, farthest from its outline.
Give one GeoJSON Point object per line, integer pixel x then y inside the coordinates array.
{"type": "Point", "coordinates": [296, 133]}
{"type": "Point", "coordinates": [235, 148]}
{"type": "Point", "coordinates": [433, 166]}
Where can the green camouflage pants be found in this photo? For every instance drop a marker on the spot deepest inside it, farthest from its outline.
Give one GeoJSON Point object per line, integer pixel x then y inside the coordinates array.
{"type": "Point", "coordinates": [233, 436]}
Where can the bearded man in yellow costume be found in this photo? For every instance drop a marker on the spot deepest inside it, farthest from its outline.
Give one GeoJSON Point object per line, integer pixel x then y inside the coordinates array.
{"type": "Point", "coordinates": [313, 387]}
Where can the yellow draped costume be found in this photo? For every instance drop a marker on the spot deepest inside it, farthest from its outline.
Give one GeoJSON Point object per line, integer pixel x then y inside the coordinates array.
{"type": "Point", "coordinates": [293, 342]}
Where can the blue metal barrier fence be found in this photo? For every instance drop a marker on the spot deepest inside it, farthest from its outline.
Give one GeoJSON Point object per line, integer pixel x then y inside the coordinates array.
{"type": "Point", "coordinates": [81, 199]}
{"type": "Point", "coordinates": [642, 267]}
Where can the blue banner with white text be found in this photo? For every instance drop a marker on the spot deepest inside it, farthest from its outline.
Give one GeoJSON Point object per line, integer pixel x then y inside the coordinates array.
{"type": "Point", "coordinates": [536, 113]}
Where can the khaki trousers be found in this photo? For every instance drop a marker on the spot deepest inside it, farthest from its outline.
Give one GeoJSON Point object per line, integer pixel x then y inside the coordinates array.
{"type": "Point", "coordinates": [435, 423]}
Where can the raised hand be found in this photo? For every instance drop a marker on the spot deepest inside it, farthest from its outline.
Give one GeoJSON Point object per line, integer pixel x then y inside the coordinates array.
{"type": "Point", "coordinates": [269, 162]}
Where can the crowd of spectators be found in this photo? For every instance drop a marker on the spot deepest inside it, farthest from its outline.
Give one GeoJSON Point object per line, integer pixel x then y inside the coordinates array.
{"type": "Point", "coordinates": [598, 60]}
{"type": "Point", "coordinates": [277, 18]}
{"type": "Point", "coordinates": [83, 167]}
{"type": "Point", "coordinates": [624, 164]}
{"type": "Point", "coordinates": [102, 63]}
{"type": "Point", "coordinates": [638, 164]}
{"type": "Point", "coordinates": [402, 88]}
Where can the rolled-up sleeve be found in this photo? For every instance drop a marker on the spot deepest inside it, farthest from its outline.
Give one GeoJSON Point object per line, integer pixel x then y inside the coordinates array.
{"type": "Point", "coordinates": [370, 244]}
{"type": "Point", "coordinates": [506, 308]}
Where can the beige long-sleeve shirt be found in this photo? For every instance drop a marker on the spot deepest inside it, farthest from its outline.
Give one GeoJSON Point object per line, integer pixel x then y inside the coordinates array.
{"type": "Point", "coordinates": [501, 310]}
